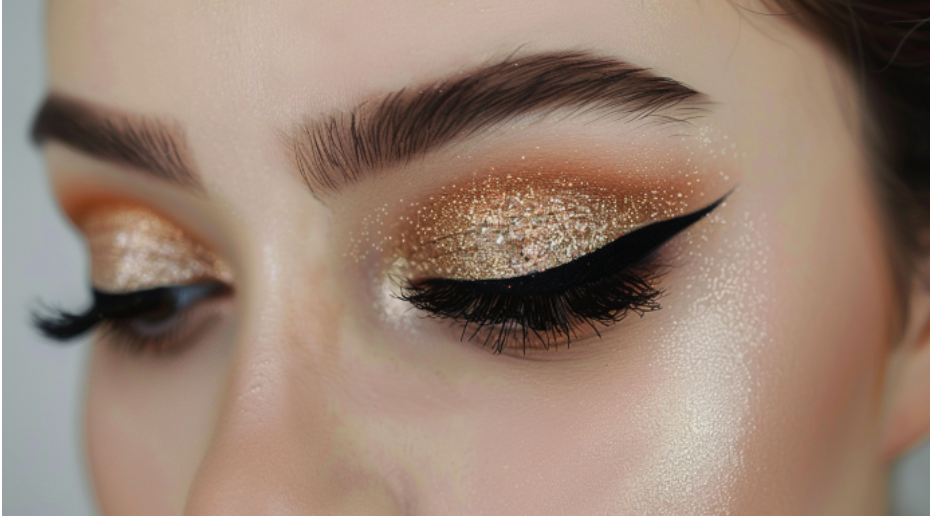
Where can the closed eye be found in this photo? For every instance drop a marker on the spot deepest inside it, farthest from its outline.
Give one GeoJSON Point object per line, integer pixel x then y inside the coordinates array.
{"type": "Point", "coordinates": [550, 306]}
{"type": "Point", "coordinates": [157, 320]}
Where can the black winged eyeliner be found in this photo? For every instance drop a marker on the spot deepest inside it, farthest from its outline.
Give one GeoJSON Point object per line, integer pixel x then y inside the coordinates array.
{"type": "Point", "coordinates": [624, 252]}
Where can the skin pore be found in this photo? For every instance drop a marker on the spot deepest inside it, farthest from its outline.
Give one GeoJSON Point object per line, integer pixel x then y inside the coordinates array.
{"type": "Point", "coordinates": [773, 379]}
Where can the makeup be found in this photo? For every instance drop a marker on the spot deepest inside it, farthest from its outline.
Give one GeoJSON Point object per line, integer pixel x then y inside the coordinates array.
{"type": "Point", "coordinates": [511, 225]}
{"type": "Point", "coordinates": [134, 248]}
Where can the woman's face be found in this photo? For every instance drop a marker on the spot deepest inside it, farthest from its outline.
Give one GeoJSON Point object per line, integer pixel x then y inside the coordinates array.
{"type": "Point", "coordinates": [324, 160]}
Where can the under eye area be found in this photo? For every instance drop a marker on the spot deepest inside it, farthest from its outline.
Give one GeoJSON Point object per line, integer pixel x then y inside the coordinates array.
{"type": "Point", "coordinates": [155, 321]}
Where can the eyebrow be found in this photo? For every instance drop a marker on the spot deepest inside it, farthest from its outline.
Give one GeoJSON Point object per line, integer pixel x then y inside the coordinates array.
{"type": "Point", "coordinates": [151, 145]}
{"type": "Point", "coordinates": [334, 151]}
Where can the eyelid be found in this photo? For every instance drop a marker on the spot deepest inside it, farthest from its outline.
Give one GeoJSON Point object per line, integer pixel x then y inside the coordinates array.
{"type": "Point", "coordinates": [541, 308]}
{"type": "Point", "coordinates": [513, 225]}
{"type": "Point", "coordinates": [134, 248]}
{"type": "Point", "coordinates": [624, 252]}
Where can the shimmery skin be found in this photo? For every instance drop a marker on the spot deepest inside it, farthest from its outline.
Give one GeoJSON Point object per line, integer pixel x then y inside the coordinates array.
{"type": "Point", "coordinates": [133, 248]}
{"type": "Point", "coordinates": [513, 225]}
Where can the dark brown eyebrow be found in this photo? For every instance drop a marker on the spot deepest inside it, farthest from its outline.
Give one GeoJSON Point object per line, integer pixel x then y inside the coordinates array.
{"type": "Point", "coordinates": [334, 151]}
{"type": "Point", "coordinates": [151, 145]}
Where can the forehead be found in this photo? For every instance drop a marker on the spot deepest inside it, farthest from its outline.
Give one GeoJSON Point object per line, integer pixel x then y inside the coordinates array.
{"type": "Point", "coordinates": [285, 56]}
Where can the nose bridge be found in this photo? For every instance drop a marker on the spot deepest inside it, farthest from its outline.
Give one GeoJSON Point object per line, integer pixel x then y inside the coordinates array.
{"type": "Point", "coordinates": [277, 447]}
{"type": "Point", "coordinates": [256, 453]}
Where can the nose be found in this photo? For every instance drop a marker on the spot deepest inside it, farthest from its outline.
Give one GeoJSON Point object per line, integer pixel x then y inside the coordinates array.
{"type": "Point", "coordinates": [280, 444]}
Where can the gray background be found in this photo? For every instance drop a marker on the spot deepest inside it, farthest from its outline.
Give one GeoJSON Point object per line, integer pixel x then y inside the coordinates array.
{"type": "Point", "coordinates": [42, 383]}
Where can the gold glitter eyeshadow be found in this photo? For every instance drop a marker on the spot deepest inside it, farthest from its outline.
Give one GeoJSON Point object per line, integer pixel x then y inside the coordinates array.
{"type": "Point", "coordinates": [133, 248]}
{"type": "Point", "coordinates": [512, 225]}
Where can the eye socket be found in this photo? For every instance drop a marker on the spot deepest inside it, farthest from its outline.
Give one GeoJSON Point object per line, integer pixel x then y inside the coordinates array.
{"type": "Point", "coordinates": [153, 281]}
{"type": "Point", "coordinates": [156, 321]}
{"type": "Point", "coordinates": [541, 309]}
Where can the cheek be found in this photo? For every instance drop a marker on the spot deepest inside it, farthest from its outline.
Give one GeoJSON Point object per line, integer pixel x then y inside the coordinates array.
{"type": "Point", "coordinates": [148, 422]}
{"type": "Point", "coordinates": [753, 387]}
{"type": "Point", "coordinates": [658, 421]}
{"type": "Point", "coordinates": [819, 383]}
{"type": "Point", "coordinates": [643, 434]}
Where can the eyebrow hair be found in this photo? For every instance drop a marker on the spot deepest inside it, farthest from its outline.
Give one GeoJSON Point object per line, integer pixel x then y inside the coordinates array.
{"type": "Point", "coordinates": [340, 149]}
{"type": "Point", "coordinates": [150, 145]}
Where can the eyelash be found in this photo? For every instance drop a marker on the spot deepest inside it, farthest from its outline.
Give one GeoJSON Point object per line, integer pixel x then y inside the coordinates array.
{"type": "Point", "coordinates": [536, 310]}
{"type": "Point", "coordinates": [542, 309]}
{"type": "Point", "coordinates": [156, 321]}
{"type": "Point", "coordinates": [537, 320]}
